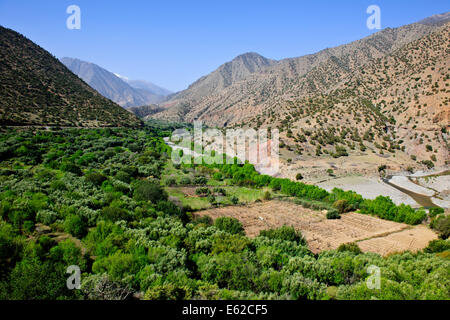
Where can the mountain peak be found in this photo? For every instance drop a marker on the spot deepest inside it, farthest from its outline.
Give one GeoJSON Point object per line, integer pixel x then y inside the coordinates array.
{"type": "Point", "coordinates": [114, 86]}
{"type": "Point", "coordinates": [437, 19]}
{"type": "Point", "coordinates": [37, 89]}
{"type": "Point", "coordinates": [249, 55]}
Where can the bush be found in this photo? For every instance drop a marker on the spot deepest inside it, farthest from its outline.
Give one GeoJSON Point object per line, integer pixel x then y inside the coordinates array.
{"type": "Point", "coordinates": [341, 206]}
{"type": "Point", "coordinates": [230, 225]}
{"type": "Point", "coordinates": [414, 217]}
{"type": "Point", "coordinates": [202, 191]}
{"type": "Point", "coordinates": [218, 176]}
{"type": "Point", "coordinates": [75, 225]}
{"type": "Point", "coordinates": [442, 225]}
{"type": "Point", "coordinates": [433, 212]}
{"type": "Point", "coordinates": [171, 182]}
{"type": "Point", "coordinates": [149, 191]}
{"type": "Point", "coordinates": [437, 246]}
{"type": "Point", "coordinates": [72, 168]}
{"type": "Point", "coordinates": [168, 292]}
{"type": "Point", "coordinates": [115, 214]}
{"type": "Point", "coordinates": [203, 220]}
{"type": "Point", "coordinates": [212, 199]}
{"type": "Point", "coordinates": [284, 233]}
{"type": "Point", "coordinates": [220, 191]}
{"type": "Point", "coordinates": [185, 181]}
{"type": "Point", "coordinates": [267, 196]}
{"type": "Point", "coordinates": [46, 217]}
{"type": "Point", "coordinates": [28, 226]}
{"type": "Point", "coordinates": [299, 177]}
{"type": "Point", "coordinates": [349, 247]}
{"type": "Point", "coordinates": [428, 163]}
{"type": "Point", "coordinates": [235, 200]}
{"type": "Point", "coordinates": [200, 180]}
{"type": "Point", "coordinates": [95, 178]}
{"type": "Point", "coordinates": [58, 185]}
{"type": "Point", "coordinates": [123, 176]}
{"type": "Point", "coordinates": [333, 214]}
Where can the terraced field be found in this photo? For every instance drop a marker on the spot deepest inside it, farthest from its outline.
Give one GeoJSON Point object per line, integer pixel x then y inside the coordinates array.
{"type": "Point", "coordinates": [371, 234]}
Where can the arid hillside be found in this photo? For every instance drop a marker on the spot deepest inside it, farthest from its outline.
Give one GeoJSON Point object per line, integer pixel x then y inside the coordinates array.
{"type": "Point", "coordinates": [37, 89]}
{"type": "Point", "coordinates": [386, 94]}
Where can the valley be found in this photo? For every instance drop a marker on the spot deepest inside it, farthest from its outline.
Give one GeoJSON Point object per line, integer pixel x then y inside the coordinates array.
{"type": "Point", "coordinates": [335, 162]}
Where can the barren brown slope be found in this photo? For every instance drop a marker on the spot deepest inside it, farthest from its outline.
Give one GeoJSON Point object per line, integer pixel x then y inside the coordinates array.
{"type": "Point", "coordinates": [398, 103]}
{"type": "Point", "coordinates": [259, 91]}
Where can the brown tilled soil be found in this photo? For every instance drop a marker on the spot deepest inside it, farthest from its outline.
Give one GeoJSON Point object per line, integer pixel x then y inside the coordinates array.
{"type": "Point", "coordinates": [373, 234]}
{"type": "Point", "coordinates": [412, 239]}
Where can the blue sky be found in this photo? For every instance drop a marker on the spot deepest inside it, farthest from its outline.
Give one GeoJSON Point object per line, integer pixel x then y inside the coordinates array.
{"type": "Point", "coordinates": [173, 43]}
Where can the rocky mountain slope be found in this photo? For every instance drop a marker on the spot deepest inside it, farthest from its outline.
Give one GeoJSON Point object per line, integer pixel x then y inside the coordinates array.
{"type": "Point", "coordinates": [37, 89]}
{"type": "Point", "coordinates": [120, 90]}
{"type": "Point", "coordinates": [343, 100]}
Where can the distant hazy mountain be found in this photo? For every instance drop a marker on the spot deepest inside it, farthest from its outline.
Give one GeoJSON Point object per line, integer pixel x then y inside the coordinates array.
{"type": "Point", "coordinates": [436, 20]}
{"type": "Point", "coordinates": [147, 86]}
{"type": "Point", "coordinates": [37, 89]}
{"type": "Point", "coordinates": [115, 87]}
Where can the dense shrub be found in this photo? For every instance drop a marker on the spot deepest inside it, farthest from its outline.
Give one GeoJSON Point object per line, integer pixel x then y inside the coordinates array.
{"type": "Point", "coordinates": [433, 212]}
{"type": "Point", "coordinates": [202, 191]}
{"type": "Point", "coordinates": [149, 191]}
{"type": "Point", "coordinates": [96, 178]}
{"type": "Point", "coordinates": [200, 180]}
{"type": "Point", "coordinates": [185, 181]}
{"type": "Point", "coordinates": [115, 214]}
{"type": "Point", "coordinates": [72, 168]}
{"type": "Point", "coordinates": [385, 208]}
{"type": "Point", "coordinates": [436, 246]}
{"type": "Point", "coordinates": [284, 233]}
{"type": "Point", "coordinates": [143, 243]}
{"type": "Point", "coordinates": [123, 176]}
{"type": "Point", "coordinates": [230, 225]}
{"type": "Point", "coordinates": [349, 247]}
{"type": "Point", "coordinates": [75, 225]}
{"type": "Point", "coordinates": [442, 225]}
{"type": "Point", "coordinates": [333, 214]}
{"type": "Point", "coordinates": [171, 182]}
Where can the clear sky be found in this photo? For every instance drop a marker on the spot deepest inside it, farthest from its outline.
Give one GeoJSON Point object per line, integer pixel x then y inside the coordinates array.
{"type": "Point", "coordinates": [173, 43]}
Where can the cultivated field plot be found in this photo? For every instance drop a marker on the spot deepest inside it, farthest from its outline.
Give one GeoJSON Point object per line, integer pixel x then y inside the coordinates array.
{"type": "Point", "coordinates": [376, 235]}
{"type": "Point", "coordinates": [412, 239]}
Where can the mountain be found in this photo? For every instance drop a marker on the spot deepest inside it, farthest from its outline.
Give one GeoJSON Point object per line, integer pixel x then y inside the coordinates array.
{"type": "Point", "coordinates": [37, 89]}
{"type": "Point", "coordinates": [220, 99]}
{"type": "Point", "coordinates": [148, 86]}
{"type": "Point", "coordinates": [222, 78]}
{"type": "Point", "coordinates": [310, 100]}
{"type": "Point", "coordinates": [113, 86]}
{"type": "Point", "coordinates": [145, 111]}
{"type": "Point", "coordinates": [436, 20]}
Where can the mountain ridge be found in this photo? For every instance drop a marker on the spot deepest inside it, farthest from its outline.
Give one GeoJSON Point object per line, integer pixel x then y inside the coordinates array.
{"type": "Point", "coordinates": [281, 76]}
{"type": "Point", "coordinates": [110, 85]}
{"type": "Point", "coordinates": [37, 89]}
